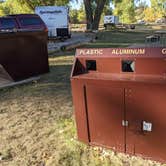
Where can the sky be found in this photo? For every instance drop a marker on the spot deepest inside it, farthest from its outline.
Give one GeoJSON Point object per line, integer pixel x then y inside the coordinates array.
{"type": "Point", "coordinates": [76, 5]}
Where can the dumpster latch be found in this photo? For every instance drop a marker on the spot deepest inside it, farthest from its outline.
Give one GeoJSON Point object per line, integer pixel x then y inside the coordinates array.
{"type": "Point", "coordinates": [125, 123]}
{"type": "Point", "coordinates": [147, 126]}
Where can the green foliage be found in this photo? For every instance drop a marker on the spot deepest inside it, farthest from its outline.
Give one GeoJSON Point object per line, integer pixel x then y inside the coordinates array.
{"type": "Point", "coordinates": [107, 9]}
{"type": "Point", "coordinates": [155, 11]}
{"type": "Point", "coordinates": [77, 15]}
{"type": "Point", "coordinates": [140, 10]}
{"type": "Point", "coordinates": [33, 3]}
{"type": "Point", "coordinates": [150, 15]}
{"type": "Point", "coordinates": [13, 7]}
{"type": "Point", "coordinates": [1, 11]}
{"type": "Point", "coordinates": [26, 6]}
{"type": "Point", "coordinates": [74, 16]}
{"type": "Point", "coordinates": [126, 10]}
{"type": "Point", "coordinates": [157, 6]}
{"type": "Point", "coordinates": [81, 14]}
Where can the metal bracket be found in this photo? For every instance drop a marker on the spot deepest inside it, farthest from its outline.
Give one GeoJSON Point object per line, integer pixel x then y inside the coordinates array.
{"type": "Point", "coordinates": [147, 126]}
{"type": "Point", "coordinates": [125, 123]}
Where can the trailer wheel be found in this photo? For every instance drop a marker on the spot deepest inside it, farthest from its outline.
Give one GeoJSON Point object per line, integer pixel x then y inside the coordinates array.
{"type": "Point", "coordinates": [63, 48]}
{"type": "Point", "coordinates": [62, 39]}
{"type": "Point", "coordinates": [69, 36]}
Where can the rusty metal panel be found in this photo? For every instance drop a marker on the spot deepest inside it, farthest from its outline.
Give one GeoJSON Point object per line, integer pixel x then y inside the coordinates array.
{"type": "Point", "coordinates": [145, 135]}
{"type": "Point", "coordinates": [105, 114]}
{"type": "Point", "coordinates": [24, 54]}
{"type": "Point", "coordinates": [80, 110]}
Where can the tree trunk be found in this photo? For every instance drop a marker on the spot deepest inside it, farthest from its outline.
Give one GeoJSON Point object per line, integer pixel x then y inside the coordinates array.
{"type": "Point", "coordinates": [97, 15]}
{"type": "Point", "coordinates": [89, 14]}
{"type": "Point", "coordinates": [93, 19]}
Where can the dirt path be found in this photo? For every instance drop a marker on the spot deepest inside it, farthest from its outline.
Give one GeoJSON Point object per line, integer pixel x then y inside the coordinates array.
{"type": "Point", "coordinates": [77, 38]}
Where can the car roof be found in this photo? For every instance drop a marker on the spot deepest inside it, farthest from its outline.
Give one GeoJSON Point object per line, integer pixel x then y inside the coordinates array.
{"type": "Point", "coordinates": [24, 15]}
{"type": "Point", "coordinates": [3, 17]}
{"type": "Point", "coordinates": [13, 16]}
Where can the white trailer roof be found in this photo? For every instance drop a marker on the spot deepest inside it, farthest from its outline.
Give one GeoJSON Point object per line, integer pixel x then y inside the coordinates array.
{"type": "Point", "coordinates": [53, 16]}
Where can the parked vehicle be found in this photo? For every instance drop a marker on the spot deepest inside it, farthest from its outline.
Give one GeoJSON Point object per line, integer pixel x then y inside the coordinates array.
{"type": "Point", "coordinates": [111, 21]}
{"type": "Point", "coordinates": [22, 22]}
{"type": "Point", "coordinates": [132, 26]}
{"type": "Point", "coordinates": [57, 20]}
{"type": "Point", "coordinates": [141, 22]}
{"type": "Point", "coordinates": [160, 20]}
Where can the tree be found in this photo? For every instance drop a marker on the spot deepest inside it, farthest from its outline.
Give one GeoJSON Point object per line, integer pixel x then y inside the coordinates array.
{"type": "Point", "coordinates": [26, 6]}
{"type": "Point", "coordinates": [77, 16]}
{"type": "Point", "coordinates": [33, 3]}
{"type": "Point", "coordinates": [81, 14]}
{"type": "Point", "coordinates": [126, 10]}
{"type": "Point", "coordinates": [157, 6]}
{"type": "Point", "coordinates": [140, 10]}
{"type": "Point", "coordinates": [13, 7]}
{"type": "Point", "coordinates": [150, 15]}
{"type": "Point", "coordinates": [155, 11]}
{"type": "Point", "coordinates": [107, 9]}
{"type": "Point", "coordinates": [74, 16]}
{"type": "Point", "coordinates": [93, 9]}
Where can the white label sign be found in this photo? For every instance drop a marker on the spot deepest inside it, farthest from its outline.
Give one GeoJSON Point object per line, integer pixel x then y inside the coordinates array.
{"type": "Point", "coordinates": [147, 126]}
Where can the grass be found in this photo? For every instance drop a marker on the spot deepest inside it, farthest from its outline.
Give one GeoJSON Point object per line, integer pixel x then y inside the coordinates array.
{"type": "Point", "coordinates": [118, 39]}
{"type": "Point", "coordinates": [151, 27]}
{"type": "Point", "coordinates": [37, 126]}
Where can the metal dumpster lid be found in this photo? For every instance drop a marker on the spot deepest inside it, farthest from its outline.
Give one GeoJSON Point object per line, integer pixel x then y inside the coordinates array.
{"type": "Point", "coordinates": [158, 52]}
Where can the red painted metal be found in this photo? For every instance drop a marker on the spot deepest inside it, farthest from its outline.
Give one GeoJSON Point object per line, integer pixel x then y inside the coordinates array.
{"type": "Point", "coordinates": [120, 109]}
{"type": "Point", "coordinates": [24, 54]}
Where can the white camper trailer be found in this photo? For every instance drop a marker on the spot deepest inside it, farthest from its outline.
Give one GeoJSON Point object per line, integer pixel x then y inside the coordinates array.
{"type": "Point", "coordinates": [56, 19]}
{"type": "Point", "coordinates": [110, 19]}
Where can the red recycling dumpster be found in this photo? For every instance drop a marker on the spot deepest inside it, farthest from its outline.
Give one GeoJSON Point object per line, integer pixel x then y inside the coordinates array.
{"type": "Point", "coordinates": [23, 54]}
{"type": "Point", "coordinates": [119, 96]}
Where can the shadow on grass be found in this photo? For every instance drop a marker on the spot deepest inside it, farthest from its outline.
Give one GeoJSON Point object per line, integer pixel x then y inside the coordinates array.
{"type": "Point", "coordinates": [62, 53]}
{"type": "Point", "coordinates": [56, 83]}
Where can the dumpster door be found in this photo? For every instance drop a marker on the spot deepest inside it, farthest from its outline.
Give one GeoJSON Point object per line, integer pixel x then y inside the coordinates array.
{"type": "Point", "coordinates": [145, 112]}
{"type": "Point", "coordinates": [105, 107]}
